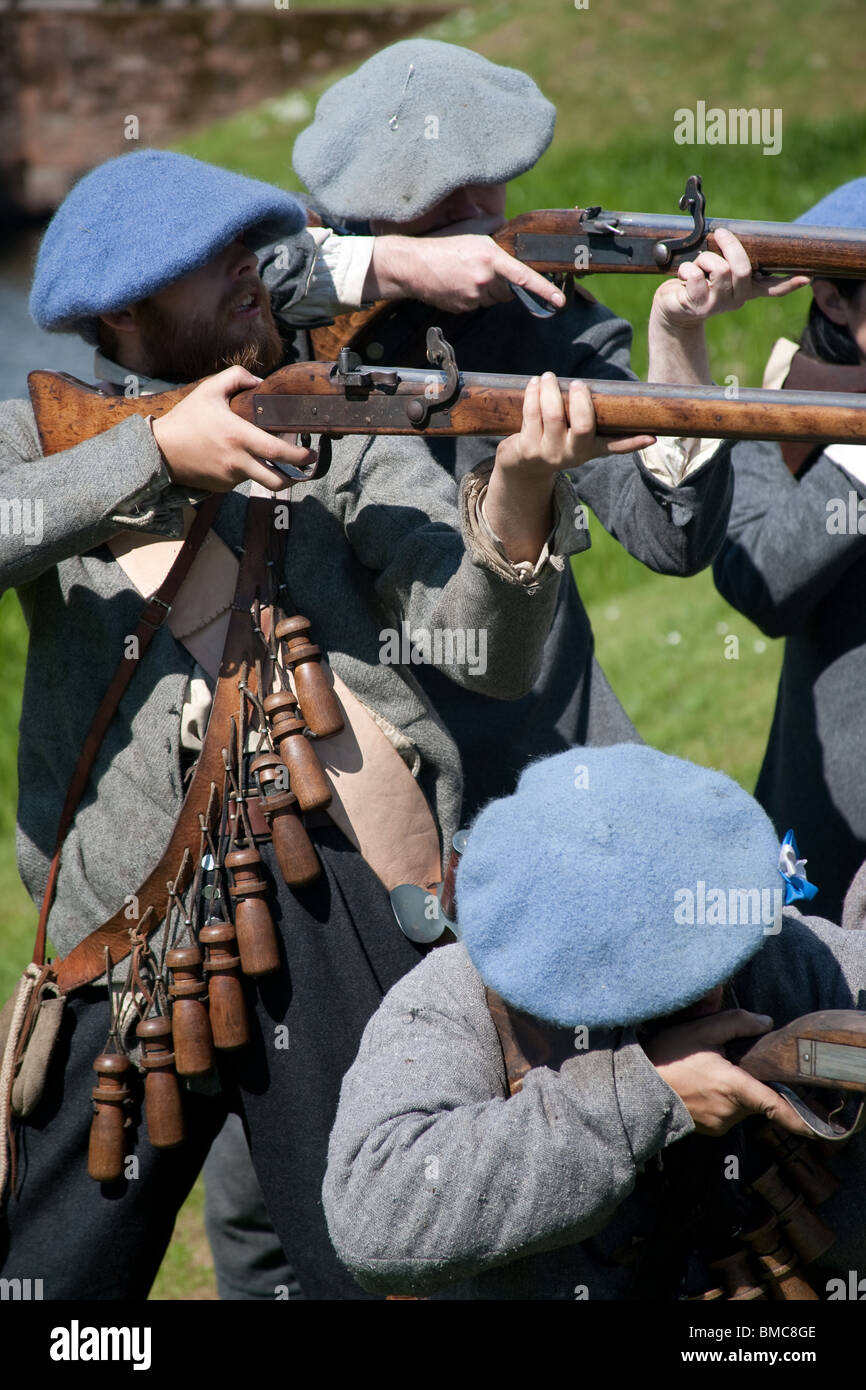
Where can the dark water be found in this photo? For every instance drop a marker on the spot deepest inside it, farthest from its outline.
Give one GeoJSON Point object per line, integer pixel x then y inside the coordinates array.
{"type": "Point", "coordinates": [23, 346]}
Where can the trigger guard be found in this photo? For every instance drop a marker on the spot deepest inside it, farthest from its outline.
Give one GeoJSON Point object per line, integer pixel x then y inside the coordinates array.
{"type": "Point", "coordinates": [822, 1129]}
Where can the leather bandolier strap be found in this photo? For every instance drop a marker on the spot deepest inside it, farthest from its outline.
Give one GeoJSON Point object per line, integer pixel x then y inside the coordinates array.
{"type": "Point", "coordinates": [86, 962]}
{"type": "Point", "coordinates": [155, 612]}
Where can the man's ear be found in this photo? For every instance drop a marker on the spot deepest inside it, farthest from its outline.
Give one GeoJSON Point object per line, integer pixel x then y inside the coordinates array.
{"type": "Point", "coordinates": [122, 320]}
{"type": "Point", "coordinates": [830, 302]}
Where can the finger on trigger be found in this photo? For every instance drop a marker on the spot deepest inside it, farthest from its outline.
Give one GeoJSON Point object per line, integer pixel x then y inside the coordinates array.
{"type": "Point", "coordinates": [528, 279]}
{"type": "Point", "coordinates": [259, 471]}
{"type": "Point", "coordinates": [263, 445]}
{"type": "Point", "coordinates": [759, 1099]}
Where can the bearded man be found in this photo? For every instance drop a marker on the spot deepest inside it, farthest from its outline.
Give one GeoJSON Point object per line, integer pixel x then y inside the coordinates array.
{"type": "Point", "coordinates": [153, 257]}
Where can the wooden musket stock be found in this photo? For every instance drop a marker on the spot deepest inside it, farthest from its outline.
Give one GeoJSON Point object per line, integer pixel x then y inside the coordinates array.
{"type": "Point", "coordinates": [344, 397]}
{"type": "Point", "coordinates": [825, 1049]}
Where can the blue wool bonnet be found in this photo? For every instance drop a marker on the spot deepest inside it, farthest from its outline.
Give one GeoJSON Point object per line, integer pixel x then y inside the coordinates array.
{"type": "Point", "coordinates": [605, 890]}
{"type": "Point", "coordinates": [136, 224]}
{"type": "Point", "coordinates": [415, 122]}
{"type": "Point", "coordinates": [844, 207]}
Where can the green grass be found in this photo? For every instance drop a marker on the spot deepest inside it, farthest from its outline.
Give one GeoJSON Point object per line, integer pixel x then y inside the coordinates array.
{"type": "Point", "coordinates": [19, 915]}
{"type": "Point", "coordinates": [187, 1270]}
{"type": "Point", "coordinates": [617, 72]}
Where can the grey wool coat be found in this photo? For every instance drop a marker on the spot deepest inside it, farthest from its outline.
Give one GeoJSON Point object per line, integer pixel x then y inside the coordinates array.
{"type": "Point", "coordinates": [672, 530]}
{"type": "Point", "coordinates": [788, 565]}
{"type": "Point", "coordinates": [441, 1185]}
{"type": "Point", "coordinates": [378, 539]}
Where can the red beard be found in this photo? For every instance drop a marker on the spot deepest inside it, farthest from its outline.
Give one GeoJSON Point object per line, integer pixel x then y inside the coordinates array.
{"type": "Point", "coordinates": [189, 348]}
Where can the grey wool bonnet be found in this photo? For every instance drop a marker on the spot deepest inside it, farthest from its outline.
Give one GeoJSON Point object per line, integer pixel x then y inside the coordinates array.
{"type": "Point", "coordinates": [415, 122]}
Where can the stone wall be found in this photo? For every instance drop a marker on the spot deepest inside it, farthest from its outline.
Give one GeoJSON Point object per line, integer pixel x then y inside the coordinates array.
{"type": "Point", "coordinates": [69, 78]}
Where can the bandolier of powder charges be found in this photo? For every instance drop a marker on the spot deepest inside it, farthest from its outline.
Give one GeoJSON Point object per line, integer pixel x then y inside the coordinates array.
{"type": "Point", "coordinates": [190, 1001]}
{"type": "Point", "coordinates": [257, 774]}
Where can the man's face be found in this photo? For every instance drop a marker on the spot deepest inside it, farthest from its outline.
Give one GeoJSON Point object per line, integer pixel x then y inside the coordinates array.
{"type": "Point", "coordinates": [847, 312]}
{"type": "Point", "coordinates": [209, 319]}
{"type": "Point", "coordinates": [466, 204]}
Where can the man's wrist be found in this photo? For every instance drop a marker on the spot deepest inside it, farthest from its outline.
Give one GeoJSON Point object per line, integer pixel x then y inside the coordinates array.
{"type": "Point", "coordinates": [153, 422]}
{"type": "Point", "coordinates": [685, 330]}
{"type": "Point", "coordinates": [525, 483]}
{"type": "Point", "coordinates": [389, 274]}
{"type": "Point", "coordinates": [519, 509]}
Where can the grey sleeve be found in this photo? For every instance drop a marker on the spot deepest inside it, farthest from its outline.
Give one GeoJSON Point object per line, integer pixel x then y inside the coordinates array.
{"type": "Point", "coordinates": [810, 965]}
{"type": "Point", "coordinates": [77, 499]}
{"type": "Point", "coordinates": [783, 554]}
{"type": "Point", "coordinates": [601, 350]}
{"type": "Point", "coordinates": [285, 266]}
{"type": "Point", "coordinates": [435, 1175]}
{"type": "Point", "coordinates": [672, 530]}
{"type": "Point", "coordinates": [401, 516]}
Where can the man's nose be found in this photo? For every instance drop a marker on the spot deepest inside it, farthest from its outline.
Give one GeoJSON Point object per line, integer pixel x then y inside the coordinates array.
{"type": "Point", "coordinates": [241, 259]}
{"type": "Point", "coordinates": [462, 206]}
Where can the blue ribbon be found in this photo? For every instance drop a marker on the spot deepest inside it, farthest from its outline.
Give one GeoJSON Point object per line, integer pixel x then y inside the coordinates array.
{"type": "Point", "coordinates": [797, 885]}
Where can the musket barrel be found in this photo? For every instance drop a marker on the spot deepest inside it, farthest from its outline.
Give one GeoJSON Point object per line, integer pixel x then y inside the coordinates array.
{"type": "Point", "coordinates": [771, 246]}
{"type": "Point", "coordinates": [492, 404]}
{"type": "Point", "coordinates": [550, 240]}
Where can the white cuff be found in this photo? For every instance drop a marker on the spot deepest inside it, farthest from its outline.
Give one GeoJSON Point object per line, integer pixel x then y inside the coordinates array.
{"type": "Point", "coordinates": [672, 460]}
{"type": "Point", "coordinates": [336, 281]}
{"type": "Point", "coordinates": [348, 259]}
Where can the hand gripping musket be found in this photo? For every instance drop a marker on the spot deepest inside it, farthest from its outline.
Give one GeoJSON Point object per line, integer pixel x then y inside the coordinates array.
{"type": "Point", "coordinates": [345, 397]}
{"type": "Point", "coordinates": [774, 1231]}
{"type": "Point", "coordinates": [593, 241]}
{"type": "Point", "coordinates": [826, 1051]}
{"type": "Point", "coordinates": [565, 242]}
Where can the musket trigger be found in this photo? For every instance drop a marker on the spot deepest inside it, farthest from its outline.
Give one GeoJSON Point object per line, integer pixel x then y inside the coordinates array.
{"type": "Point", "coordinates": [822, 1129]}
{"type": "Point", "coordinates": [537, 307]}
{"type": "Point", "coordinates": [694, 202]}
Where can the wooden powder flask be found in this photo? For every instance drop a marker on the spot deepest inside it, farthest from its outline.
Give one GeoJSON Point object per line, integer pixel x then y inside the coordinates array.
{"type": "Point", "coordinates": [256, 934]}
{"type": "Point", "coordinates": [107, 1147]}
{"type": "Point", "coordinates": [316, 698]}
{"type": "Point", "coordinates": [228, 1011]}
{"type": "Point", "coordinates": [779, 1265]}
{"type": "Point", "coordinates": [193, 1041]}
{"type": "Point", "coordinates": [709, 1296]}
{"type": "Point", "coordinates": [307, 777]}
{"type": "Point", "coordinates": [163, 1109]}
{"type": "Point", "coordinates": [739, 1280]}
{"type": "Point", "coordinates": [296, 857]}
{"type": "Point", "coordinates": [808, 1235]}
